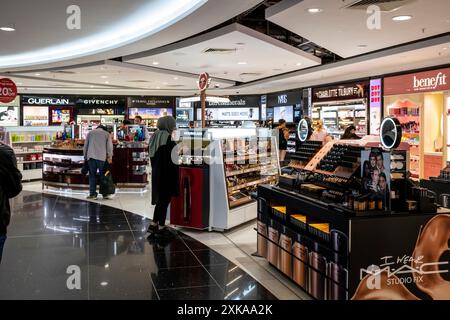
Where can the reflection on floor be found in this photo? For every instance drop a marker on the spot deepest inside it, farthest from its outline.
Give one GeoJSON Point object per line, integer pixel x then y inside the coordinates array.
{"type": "Point", "coordinates": [236, 245]}
{"type": "Point", "coordinates": [65, 248]}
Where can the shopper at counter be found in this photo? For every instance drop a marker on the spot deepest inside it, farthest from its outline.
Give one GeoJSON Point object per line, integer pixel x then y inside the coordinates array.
{"type": "Point", "coordinates": [283, 136]}
{"type": "Point", "coordinates": [350, 133]}
{"type": "Point", "coordinates": [320, 134]}
{"type": "Point", "coordinates": [98, 149]}
{"type": "Point", "coordinates": [138, 120]}
{"type": "Point", "coordinates": [10, 186]}
{"type": "Point", "coordinates": [164, 172]}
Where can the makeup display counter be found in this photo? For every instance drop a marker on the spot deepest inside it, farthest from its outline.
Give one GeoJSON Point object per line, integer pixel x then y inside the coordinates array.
{"type": "Point", "coordinates": [63, 163]}
{"type": "Point", "coordinates": [343, 225]}
{"type": "Point", "coordinates": [219, 170]}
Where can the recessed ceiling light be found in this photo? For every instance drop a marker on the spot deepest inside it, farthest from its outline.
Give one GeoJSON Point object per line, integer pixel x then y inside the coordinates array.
{"type": "Point", "coordinates": [37, 74]}
{"type": "Point", "coordinates": [7, 28]}
{"type": "Point", "coordinates": [242, 62]}
{"type": "Point", "coordinates": [402, 18]}
{"type": "Point", "coordinates": [103, 77]}
{"type": "Point", "coordinates": [91, 86]}
{"type": "Point", "coordinates": [314, 10]}
{"type": "Point", "coordinates": [106, 82]}
{"type": "Point", "coordinates": [155, 63]}
{"type": "Point", "coordinates": [158, 88]}
{"type": "Point", "coordinates": [299, 64]}
{"type": "Point", "coordinates": [104, 284]}
{"type": "Point", "coordinates": [445, 48]}
{"type": "Point", "coordinates": [176, 78]}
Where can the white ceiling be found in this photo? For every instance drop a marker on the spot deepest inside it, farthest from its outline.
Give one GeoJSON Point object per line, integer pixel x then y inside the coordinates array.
{"type": "Point", "coordinates": [423, 54]}
{"type": "Point", "coordinates": [415, 56]}
{"type": "Point", "coordinates": [111, 75]}
{"type": "Point", "coordinates": [252, 55]}
{"type": "Point", "coordinates": [343, 31]}
{"type": "Point", "coordinates": [42, 27]}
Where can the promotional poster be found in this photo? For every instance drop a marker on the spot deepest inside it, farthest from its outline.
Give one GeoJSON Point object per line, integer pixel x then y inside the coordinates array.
{"type": "Point", "coordinates": [149, 113]}
{"type": "Point", "coordinates": [376, 177]}
{"type": "Point", "coordinates": [9, 116]}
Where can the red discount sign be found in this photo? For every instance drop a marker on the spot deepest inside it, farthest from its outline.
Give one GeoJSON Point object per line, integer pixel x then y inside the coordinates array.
{"type": "Point", "coordinates": [8, 90]}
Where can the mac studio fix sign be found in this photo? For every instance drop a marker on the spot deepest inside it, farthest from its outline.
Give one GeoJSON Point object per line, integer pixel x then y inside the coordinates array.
{"type": "Point", "coordinates": [427, 81]}
{"type": "Point", "coordinates": [47, 101]}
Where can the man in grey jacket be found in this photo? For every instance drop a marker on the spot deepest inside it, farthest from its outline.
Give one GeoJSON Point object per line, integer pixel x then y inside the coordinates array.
{"type": "Point", "coordinates": [98, 148]}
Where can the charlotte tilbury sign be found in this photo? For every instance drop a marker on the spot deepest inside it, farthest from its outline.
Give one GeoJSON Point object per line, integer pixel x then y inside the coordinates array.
{"type": "Point", "coordinates": [428, 81]}
{"type": "Point", "coordinates": [340, 92]}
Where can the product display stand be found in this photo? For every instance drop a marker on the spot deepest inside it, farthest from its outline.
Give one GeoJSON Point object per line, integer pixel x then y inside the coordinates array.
{"type": "Point", "coordinates": [28, 144]}
{"type": "Point", "coordinates": [234, 174]}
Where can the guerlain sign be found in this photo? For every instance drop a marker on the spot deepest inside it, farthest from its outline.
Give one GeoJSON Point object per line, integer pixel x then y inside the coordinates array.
{"type": "Point", "coordinates": [428, 81]}
{"type": "Point", "coordinates": [47, 101]}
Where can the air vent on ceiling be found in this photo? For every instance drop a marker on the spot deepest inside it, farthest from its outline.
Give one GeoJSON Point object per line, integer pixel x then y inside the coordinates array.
{"type": "Point", "coordinates": [138, 81]}
{"type": "Point", "coordinates": [63, 72]}
{"type": "Point", "coordinates": [219, 51]}
{"type": "Point", "coordinates": [384, 5]}
{"type": "Point", "coordinates": [175, 85]}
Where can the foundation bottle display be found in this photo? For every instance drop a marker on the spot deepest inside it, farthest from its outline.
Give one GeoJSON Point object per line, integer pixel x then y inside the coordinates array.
{"type": "Point", "coordinates": [285, 251]}
{"type": "Point", "coordinates": [317, 273]}
{"type": "Point", "coordinates": [272, 247]}
{"type": "Point", "coordinates": [262, 235]}
{"type": "Point", "coordinates": [337, 271]}
{"type": "Point", "coordinates": [300, 260]}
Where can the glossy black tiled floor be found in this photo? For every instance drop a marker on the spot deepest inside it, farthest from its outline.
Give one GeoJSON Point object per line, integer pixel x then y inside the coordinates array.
{"type": "Point", "coordinates": [48, 234]}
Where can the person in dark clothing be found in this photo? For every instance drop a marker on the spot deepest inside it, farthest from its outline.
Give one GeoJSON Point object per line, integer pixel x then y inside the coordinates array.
{"type": "Point", "coordinates": [165, 180]}
{"type": "Point", "coordinates": [283, 136]}
{"type": "Point", "coordinates": [350, 133]}
{"type": "Point", "coordinates": [8, 171]}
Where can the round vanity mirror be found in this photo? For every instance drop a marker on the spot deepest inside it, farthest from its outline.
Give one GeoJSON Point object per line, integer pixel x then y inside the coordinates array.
{"type": "Point", "coordinates": [390, 133]}
{"type": "Point", "coordinates": [303, 130]}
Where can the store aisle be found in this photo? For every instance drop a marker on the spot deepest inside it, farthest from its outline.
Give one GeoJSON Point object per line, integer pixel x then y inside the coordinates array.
{"type": "Point", "coordinates": [236, 245]}
{"type": "Point", "coordinates": [66, 248]}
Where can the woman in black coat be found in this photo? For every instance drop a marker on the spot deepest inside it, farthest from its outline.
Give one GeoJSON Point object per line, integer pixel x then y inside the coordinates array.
{"type": "Point", "coordinates": [164, 171]}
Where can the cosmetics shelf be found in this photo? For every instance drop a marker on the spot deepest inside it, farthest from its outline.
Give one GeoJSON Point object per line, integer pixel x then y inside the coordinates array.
{"type": "Point", "coordinates": [336, 246]}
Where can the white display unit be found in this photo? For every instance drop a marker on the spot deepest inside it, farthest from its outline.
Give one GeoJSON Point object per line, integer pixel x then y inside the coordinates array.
{"type": "Point", "coordinates": [226, 213]}
{"type": "Point", "coordinates": [28, 144]}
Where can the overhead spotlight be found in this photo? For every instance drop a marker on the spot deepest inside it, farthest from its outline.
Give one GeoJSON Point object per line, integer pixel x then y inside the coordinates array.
{"type": "Point", "coordinates": [8, 28]}
{"type": "Point", "coordinates": [402, 18]}
{"type": "Point", "coordinates": [314, 10]}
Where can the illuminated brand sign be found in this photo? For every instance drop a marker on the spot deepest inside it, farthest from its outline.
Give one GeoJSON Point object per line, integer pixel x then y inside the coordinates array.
{"type": "Point", "coordinates": [428, 81]}
{"type": "Point", "coordinates": [356, 91]}
{"type": "Point", "coordinates": [240, 102]}
{"type": "Point", "coordinates": [282, 99]}
{"type": "Point", "coordinates": [49, 101]}
{"type": "Point", "coordinates": [100, 102]}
